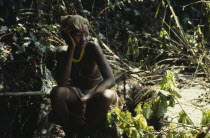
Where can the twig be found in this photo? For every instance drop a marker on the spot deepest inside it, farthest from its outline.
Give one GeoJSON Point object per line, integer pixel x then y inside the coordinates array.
{"type": "Point", "coordinates": [58, 39]}
{"type": "Point", "coordinates": [4, 35]}
{"type": "Point", "coordinates": [184, 110]}
{"type": "Point", "coordinates": [199, 63]}
{"type": "Point", "coordinates": [107, 39]}
{"type": "Point", "coordinates": [92, 7]}
{"type": "Point", "coordinates": [29, 93]}
{"type": "Point", "coordinates": [189, 67]}
{"type": "Point", "coordinates": [14, 61]}
{"type": "Point", "coordinates": [115, 56]}
{"type": "Point", "coordinates": [163, 131]}
{"type": "Point", "coordinates": [181, 124]}
{"type": "Point", "coordinates": [174, 32]}
{"type": "Point", "coordinates": [169, 59]}
{"type": "Point", "coordinates": [207, 131]}
{"type": "Point", "coordinates": [177, 23]}
{"type": "Point", "coordinates": [103, 11]}
{"type": "Point", "coordinates": [186, 42]}
{"type": "Point", "coordinates": [202, 1]}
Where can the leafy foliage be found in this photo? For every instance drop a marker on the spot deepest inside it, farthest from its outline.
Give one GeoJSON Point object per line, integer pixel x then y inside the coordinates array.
{"type": "Point", "coordinates": [205, 118]}
{"type": "Point", "coordinates": [169, 84]}
{"type": "Point", "coordinates": [133, 49]}
{"type": "Point", "coordinates": [183, 118]}
{"type": "Point", "coordinates": [165, 95]}
{"type": "Point", "coordinates": [137, 126]}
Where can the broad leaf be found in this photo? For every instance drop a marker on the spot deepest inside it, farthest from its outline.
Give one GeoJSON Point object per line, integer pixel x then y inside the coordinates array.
{"type": "Point", "coordinates": [162, 108]}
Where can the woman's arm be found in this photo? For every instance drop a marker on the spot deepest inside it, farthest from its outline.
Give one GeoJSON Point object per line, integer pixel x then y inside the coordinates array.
{"type": "Point", "coordinates": [64, 59]}
{"type": "Point", "coordinates": [106, 72]}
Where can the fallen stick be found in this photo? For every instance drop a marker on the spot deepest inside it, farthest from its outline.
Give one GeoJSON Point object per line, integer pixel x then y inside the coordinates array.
{"type": "Point", "coordinates": [29, 93]}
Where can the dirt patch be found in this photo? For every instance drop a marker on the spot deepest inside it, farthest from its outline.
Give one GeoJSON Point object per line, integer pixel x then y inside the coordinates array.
{"type": "Point", "coordinates": [192, 102]}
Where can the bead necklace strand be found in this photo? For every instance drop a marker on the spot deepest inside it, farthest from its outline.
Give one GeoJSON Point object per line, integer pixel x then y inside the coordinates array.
{"type": "Point", "coordinates": [80, 57]}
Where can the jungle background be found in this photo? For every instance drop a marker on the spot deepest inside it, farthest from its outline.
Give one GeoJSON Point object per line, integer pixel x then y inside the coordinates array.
{"type": "Point", "coordinates": [157, 49]}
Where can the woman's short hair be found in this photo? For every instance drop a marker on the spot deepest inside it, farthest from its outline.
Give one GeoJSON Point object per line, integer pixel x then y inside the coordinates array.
{"type": "Point", "coordinates": [73, 23]}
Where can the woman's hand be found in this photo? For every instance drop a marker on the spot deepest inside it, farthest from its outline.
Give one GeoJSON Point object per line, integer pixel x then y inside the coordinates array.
{"type": "Point", "coordinates": [85, 98]}
{"type": "Point", "coordinates": [69, 40]}
{"type": "Point", "coordinates": [72, 43]}
{"type": "Point", "coordinates": [84, 101]}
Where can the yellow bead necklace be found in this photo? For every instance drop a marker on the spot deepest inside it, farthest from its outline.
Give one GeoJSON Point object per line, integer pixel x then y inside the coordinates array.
{"type": "Point", "coordinates": [80, 57]}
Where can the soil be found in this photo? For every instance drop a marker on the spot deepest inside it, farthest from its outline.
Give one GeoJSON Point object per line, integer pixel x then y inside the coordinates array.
{"type": "Point", "coordinates": [195, 99]}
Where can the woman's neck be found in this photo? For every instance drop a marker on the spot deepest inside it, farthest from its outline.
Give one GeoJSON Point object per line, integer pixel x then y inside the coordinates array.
{"type": "Point", "coordinates": [77, 52]}
{"type": "Point", "coordinates": [78, 55]}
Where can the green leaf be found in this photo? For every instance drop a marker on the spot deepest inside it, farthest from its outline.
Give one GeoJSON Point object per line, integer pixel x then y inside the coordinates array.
{"type": "Point", "coordinates": [162, 108]}
{"type": "Point", "coordinates": [136, 13]}
{"type": "Point", "coordinates": [117, 111]}
{"type": "Point", "coordinates": [168, 78]}
{"type": "Point", "coordinates": [165, 93]}
{"type": "Point", "coordinates": [172, 101]}
{"type": "Point", "coordinates": [184, 118]}
{"type": "Point", "coordinates": [137, 117]}
{"type": "Point", "coordinates": [169, 135]}
{"type": "Point", "coordinates": [138, 109]}
{"type": "Point", "coordinates": [156, 13]}
{"type": "Point", "coordinates": [127, 9]}
{"type": "Point", "coordinates": [134, 133]}
{"type": "Point", "coordinates": [147, 111]}
{"type": "Point", "coordinates": [143, 122]}
{"type": "Point", "coordinates": [3, 58]}
{"type": "Point", "coordinates": [176, 94]}
{"type": "Point", "coordinates": [21, 48]}
{"type": "Point", "coordinates": [26, 43]}
{"type": "Point", "coordinates": [140, 122]}
{"type": "Point", "coordinates": [205, 118]}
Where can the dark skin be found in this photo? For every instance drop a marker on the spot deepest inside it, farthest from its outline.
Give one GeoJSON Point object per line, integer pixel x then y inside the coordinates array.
{"type": "Point", "coordinates": [92, 73]}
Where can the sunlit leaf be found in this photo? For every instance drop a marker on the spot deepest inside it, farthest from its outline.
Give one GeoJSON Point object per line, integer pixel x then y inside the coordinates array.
{"type": "Point", "coordinates": [143, 122]}
{"type": "Point", "coordinates": [147, 111]}
{"type": "Point", "coordinates": [205, 118]}
{"type": "Point", "coordinates": [138, 109]}
{"type": "Point", "coordinates": [172, 101]}
{"type": "Point", "coordinates": [183, 118]}
{"type": "Point", "coordinates": [165, 93]}
{"type": "Point", "coordinates": [117, 111]}
{"type": "Point", "coordinates": [176, 94]}
{"type": "Point", "coordinates": [162, 108]}
{"type": "Point", "coordinates": [3, 58]}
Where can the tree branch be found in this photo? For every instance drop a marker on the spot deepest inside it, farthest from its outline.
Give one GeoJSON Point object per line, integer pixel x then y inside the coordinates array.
{"type": "Point", "coordinates": [29, 93]}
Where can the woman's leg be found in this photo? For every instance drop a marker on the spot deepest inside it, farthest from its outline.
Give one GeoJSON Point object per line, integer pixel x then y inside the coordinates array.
{"type": "Point", "coordinates": [97, 108]}
{"type": "Point", "coordinates": [63, 100]}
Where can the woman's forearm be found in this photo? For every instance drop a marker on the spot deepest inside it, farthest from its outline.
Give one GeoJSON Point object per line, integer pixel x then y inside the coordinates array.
{"type": "Point", "coordinates": [105, 84]}
{"type": "Point", "coordinates": [64, 70]}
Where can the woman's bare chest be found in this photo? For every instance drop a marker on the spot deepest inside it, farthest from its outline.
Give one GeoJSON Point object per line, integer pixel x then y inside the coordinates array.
{"type": "Point", "coordinates": [86, 68]}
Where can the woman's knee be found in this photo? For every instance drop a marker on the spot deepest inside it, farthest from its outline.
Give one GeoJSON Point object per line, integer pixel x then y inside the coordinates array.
{"type": "Point", "coordinates": [109, 96]}
{"type": "Point", "coordinates": [63, 94]}
{"type": "Point", "coordinates": [59, 93]}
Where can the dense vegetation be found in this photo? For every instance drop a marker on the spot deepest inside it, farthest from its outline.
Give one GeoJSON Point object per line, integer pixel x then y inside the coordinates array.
{"type": "Point", "coordinates": [147, 35]}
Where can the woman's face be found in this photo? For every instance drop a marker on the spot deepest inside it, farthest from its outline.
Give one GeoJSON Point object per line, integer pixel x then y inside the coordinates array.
{"type": "Point", "coordinates": [81, 37]}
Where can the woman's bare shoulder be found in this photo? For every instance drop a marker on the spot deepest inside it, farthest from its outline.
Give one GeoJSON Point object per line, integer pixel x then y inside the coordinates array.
{"type": "Point", "coordinates": [93, 45]}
